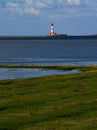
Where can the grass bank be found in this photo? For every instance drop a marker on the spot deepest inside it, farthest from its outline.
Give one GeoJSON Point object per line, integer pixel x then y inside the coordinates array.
{"type": "Point", "coordinates": [57, 102]}
{"type": "Point", "coordinates": [60, 67]}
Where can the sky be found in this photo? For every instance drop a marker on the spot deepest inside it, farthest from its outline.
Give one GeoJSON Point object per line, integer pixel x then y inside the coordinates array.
{"type": "Point", "coordinates": [34, 17]}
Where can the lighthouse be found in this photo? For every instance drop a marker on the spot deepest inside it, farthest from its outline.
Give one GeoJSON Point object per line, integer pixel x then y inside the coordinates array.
{"type": "Point", "coordinates": [52, 31]}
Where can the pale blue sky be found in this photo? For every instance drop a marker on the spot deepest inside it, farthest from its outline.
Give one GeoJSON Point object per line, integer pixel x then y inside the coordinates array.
{"type": "Point", "coordinates": [33, 17]}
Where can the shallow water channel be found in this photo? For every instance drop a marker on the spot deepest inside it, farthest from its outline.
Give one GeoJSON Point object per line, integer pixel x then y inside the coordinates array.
{"type": "Point", "coordinates": [12, 73]}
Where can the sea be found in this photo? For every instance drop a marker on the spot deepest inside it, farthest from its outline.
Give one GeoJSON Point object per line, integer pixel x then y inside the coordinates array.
{"type": "Point", "coordinates": [45, 52]}
{"type": "Point", "coordinates": [27, 51]}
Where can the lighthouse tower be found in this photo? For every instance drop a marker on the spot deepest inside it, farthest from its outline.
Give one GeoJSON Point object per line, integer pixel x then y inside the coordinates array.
{"type": "Point", "coordinates": [52, 32]}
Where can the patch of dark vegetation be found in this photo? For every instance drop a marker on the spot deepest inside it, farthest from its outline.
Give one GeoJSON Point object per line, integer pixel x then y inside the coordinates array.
{"type": "Point", "coordinates": [7, 128]}
{"type": "Point", "coordinates": [80, 90]}
{"type": "Point", "coordinates": [50, 128]}
{"type": "Point", "coordinates": [3, 108]}
{"type": "Point", "coordinates": [6, 82]}
{"type": "Point", "coordinates": [70, 115]}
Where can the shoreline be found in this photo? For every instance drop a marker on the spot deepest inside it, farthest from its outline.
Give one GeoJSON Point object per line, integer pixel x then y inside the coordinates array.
{"type": "Point", "coordinates": [56, 67]}
{"type": "Point", "coordinates": [56, 37]}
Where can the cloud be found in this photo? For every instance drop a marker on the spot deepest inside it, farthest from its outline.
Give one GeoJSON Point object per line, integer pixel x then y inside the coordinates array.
{"type": "Point", "coordinates": [75, 2]}
{"type": "Point", "coordinates": [29, 7]}
{"type": "Point", "coordinates": [41, 4]}
{"type": "Point", "coordinates": [28, 2]}
{"type": "Point", "coordinates": [50, 8]}
{"type": "Point", "coordinates": [31, 11]}
{"type": "Point", "coordinates": [13, 7]}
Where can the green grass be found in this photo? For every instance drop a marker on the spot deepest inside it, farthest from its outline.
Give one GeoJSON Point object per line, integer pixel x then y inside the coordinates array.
{"type": "Point", "coordinates": [57, 102]}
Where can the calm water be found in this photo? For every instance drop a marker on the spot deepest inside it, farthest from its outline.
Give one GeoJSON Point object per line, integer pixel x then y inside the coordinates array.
{"type": "Point", "coordinates": [80, 52]}
{"type": "Point", "coordinates": [6, 73]}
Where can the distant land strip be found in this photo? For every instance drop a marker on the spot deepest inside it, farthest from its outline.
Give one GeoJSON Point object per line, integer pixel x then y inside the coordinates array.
{"type": "Point", "coordinates": [47, 37]}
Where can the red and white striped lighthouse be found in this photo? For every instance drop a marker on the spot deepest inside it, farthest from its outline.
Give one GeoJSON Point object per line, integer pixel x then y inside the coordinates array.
{"type": "Point", "coordinates": [52, 32]}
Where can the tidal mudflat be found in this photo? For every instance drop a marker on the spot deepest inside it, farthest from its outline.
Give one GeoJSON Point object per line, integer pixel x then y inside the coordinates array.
{"type": "Point", "coordinates": [12, 73]}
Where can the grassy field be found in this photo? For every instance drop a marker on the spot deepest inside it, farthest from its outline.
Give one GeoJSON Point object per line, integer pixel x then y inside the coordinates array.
{"type": "Point", "coordinates": [57, 102]}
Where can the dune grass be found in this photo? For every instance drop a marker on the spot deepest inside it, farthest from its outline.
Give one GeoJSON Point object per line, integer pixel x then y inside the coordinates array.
{"type": "Point", "coordinates": [57, 102]}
